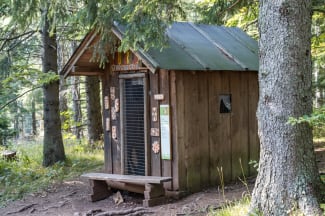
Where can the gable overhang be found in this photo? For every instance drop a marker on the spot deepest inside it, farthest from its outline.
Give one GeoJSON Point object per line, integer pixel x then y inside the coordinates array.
{"type": "Point", "coordinates": [78, 66]}
{"type": "Point", "coordinates": [79, 63]}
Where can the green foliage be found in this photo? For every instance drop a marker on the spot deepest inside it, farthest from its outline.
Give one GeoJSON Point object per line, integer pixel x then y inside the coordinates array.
{"type": "Point", "coordinates": [316, 120]}
{"type": "Point", "coordinates": [6, 131]}
{"type": "Point", "coordinates": [144, 22]}
{"type": "Point", "coordinates": [254, 164]}
{"type": "Point", "coordinates": [220, 11]}
{"type": "Point", "coordinates": [26, 174]}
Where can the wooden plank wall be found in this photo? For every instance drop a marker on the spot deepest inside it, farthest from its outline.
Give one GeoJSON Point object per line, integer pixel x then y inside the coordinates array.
{"type": "Point", "coordinates": [192, 130]}
{"type": "Point", "coordinates": [207, 139]}
{"type": "Point", "coordinates": [219, 130]}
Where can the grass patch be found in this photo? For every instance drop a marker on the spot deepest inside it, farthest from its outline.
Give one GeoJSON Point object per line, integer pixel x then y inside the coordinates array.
{"type": "Point", "coordinates": [26, 174]}
{"type": "Point", "coordinates": [234, 208]}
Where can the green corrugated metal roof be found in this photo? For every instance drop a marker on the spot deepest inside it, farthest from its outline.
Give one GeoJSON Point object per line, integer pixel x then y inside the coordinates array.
{"type": "Point", "coordinates": [205, 47]}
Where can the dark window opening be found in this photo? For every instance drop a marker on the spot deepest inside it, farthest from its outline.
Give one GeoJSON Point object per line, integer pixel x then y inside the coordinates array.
{"type": "Point", "coordinates": [225, 103]}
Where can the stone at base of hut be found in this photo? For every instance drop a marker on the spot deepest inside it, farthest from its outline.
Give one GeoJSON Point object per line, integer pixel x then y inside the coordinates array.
{"type": "Point", "coordinates": [9, 155]}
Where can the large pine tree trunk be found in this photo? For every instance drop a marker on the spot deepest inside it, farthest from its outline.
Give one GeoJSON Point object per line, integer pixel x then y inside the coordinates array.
{"type": "Point", "coordinates": [94, 120]}
{"type": "Point", "coordinates": [53, 145]}
{"type": "Point", "coordinates": [288, 178]}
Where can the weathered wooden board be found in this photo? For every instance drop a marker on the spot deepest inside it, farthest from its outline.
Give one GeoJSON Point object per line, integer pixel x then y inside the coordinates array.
{"type": "Point", "coordinates": [239, 124]}
{"type": "Point", "coordinates": [203, 127]}
{"type": "Point", "coordinates": [115, 121]}
{"type": "Point", "coordinates": [254, 144]}
{"type": "Point", "coordinates": [180, 135]}
{"type": "Point", "coordinates": [107, 133]}
{"type": "Point", "coordinates": [155, 164]}
{"type": "Point", "coordinates": [173, 113]}
{"type": "Point", "coordinates": [164, 89]}
{"type": "Point", "coordinates": [192, 146]}
{"type": "Point", "coordinates": [136, 179]}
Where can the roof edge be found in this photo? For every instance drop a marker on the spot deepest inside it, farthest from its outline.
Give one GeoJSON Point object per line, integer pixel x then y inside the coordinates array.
{"type": "Point", "coordinates": [77, 53]}
{"type": "Point", "coordinates": [152, 65]}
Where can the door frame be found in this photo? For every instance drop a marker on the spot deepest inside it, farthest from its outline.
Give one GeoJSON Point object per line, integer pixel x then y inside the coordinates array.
{"type": "Point", "coordinates": [144, 76]}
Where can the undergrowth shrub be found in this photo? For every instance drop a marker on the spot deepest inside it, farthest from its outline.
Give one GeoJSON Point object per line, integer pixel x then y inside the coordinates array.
{"type": "Point", "coordinates": [26, 174]}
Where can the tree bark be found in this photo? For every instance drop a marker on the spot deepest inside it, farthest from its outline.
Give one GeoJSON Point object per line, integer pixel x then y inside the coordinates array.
{"type": "Point", "coordinates": [94, 118]}
{"type": "Point", "coordinates": [288, 177]}
{"type": "Point", "coordinates": [77, 114]}
{"type": "Point", "coordinates": [53, 149]}
{"type": "Point", "coordinates": [34, 126]}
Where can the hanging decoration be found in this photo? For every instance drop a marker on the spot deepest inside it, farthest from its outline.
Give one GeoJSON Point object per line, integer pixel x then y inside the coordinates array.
{"type": "Point", "coordinates": [117, 105]}
{"type": "Point", "coordinates": [114, 132]}
{"type": "Point", "coordinates": [113, 113]}
{"type": "Point", "coordinates": [112, 91]}
{"type": "Point", "coordinates": [156, 147]}
{"type": "Point", "coordinates": [154, 114]}
{"type": "Point", "coordinates": [106, 102]}
{"type": "Point", "coordinates": [154, 132]}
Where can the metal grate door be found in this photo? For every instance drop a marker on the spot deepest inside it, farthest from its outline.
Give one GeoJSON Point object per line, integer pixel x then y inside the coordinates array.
{"type": "Point", "coordinates": [134, 133]}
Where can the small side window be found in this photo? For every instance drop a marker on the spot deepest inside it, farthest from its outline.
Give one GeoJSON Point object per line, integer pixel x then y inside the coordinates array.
{"type": "Point", "coordinates": [225, 103]}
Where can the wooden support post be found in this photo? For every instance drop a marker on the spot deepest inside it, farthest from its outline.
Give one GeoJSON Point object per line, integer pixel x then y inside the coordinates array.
{"type": "Point", "coordinates": [153, 190]}
{"type": "Point", "coordinates": [154, 194]}
{"type": "Point", "coordinates": [100, 190]}
{"type": "Point", "coordinates": [153, 201]}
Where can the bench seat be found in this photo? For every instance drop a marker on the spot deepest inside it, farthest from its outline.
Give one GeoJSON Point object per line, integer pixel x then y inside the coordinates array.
{"type": "Point", "coordinates": [150, 186]}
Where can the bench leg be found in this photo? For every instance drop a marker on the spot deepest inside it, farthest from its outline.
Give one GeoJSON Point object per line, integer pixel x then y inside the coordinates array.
{"type": "Point", "coordinates": [99, 189]}
{"type": "Point", "coordinates": [154, 194]}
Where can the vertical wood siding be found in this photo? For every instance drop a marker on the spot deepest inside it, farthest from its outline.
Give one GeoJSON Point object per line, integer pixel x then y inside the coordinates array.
{"type": "Point", "coordinates": [207, 139]}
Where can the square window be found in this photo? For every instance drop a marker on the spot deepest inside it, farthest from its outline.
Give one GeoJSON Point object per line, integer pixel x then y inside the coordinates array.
{"type": "Point", "coordinates": [225, 103]}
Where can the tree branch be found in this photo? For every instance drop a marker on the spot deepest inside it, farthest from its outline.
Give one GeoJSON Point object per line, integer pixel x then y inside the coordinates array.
{"type": "Point", "coordinates": [19, 96]}
{"type": "Point", "coordinates": [318, 10]}
{"type": "Point", "coordinates": [29, 33]}
{"type": "Point", "coordinates": [229, 8]}
{"type": "Point", "coordinates": [23, 37]}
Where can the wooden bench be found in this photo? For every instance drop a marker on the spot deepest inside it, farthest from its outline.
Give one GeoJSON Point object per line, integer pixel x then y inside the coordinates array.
{"type": "Point", "coordinates": [150, 186]}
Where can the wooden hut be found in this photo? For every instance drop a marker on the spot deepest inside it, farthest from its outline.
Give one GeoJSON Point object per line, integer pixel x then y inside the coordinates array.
{"type": "Point", "coordinates": [187, 112]}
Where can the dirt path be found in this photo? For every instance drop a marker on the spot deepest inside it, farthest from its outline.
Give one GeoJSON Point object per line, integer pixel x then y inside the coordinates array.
{"type": "Point", "coordinates": [71, 198]}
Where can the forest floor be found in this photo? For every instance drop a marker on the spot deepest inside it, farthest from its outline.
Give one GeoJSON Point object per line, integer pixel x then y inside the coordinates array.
{"type": "Point", "coordinates": [71, 198]}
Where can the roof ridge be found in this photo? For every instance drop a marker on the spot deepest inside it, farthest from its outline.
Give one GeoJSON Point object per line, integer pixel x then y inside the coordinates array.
{"type": "Point", "coordinates": [238, 39]}
{"type": "Point", "coordinates": [206, 36]}
{"type": "Point", "coordinates": [193, 56]}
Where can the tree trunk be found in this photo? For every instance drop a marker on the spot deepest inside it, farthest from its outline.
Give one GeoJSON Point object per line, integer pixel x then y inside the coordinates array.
{"type": "Point", "coordinates": [63, 85]}
{"type": "Point", "coordinates": [288, 178]}
{"type": "Point", "coordinates": [34, 127]}
{"type": "Point", "coordinates": [94, 118]}
{"type": "Point", "coordinates": [53, 145]}
{"type": "Point", "coordinates": [16, 118]}
{"type": "Point", "coordinates": [77, 114]}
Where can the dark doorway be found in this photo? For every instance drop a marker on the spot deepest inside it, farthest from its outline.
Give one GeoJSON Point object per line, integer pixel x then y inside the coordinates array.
{"type": "Point", "coordinates": [134, 126]}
